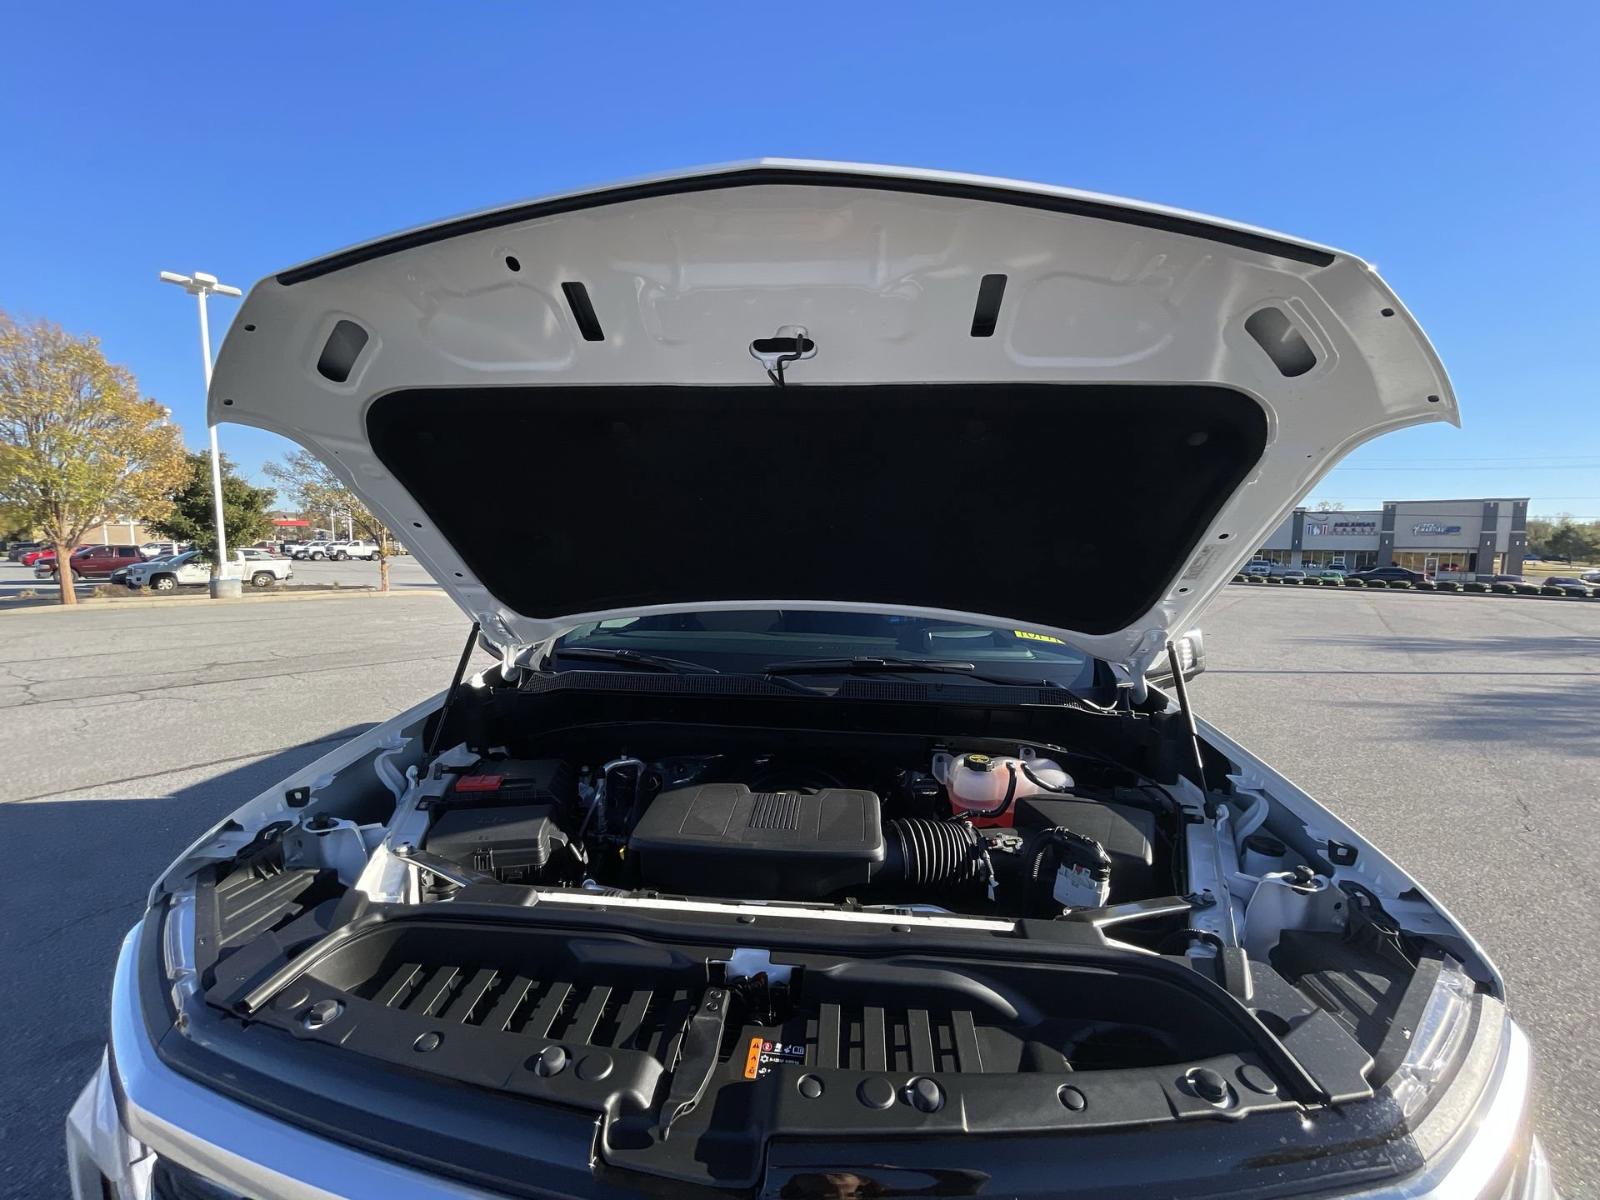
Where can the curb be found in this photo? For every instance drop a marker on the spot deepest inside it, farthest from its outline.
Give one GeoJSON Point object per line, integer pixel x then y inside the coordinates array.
{"type": "Point", "coordinates": [98, 605]}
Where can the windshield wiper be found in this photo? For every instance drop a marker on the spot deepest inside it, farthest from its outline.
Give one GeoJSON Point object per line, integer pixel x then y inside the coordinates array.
{"type": "Point", "coordinates": [896, 666]}
{"type": "Point", "coordinates": [632, 658]}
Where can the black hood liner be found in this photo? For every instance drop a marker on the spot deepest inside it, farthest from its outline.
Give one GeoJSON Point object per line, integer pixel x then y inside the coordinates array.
{"type": "Point", "coordinates": [1064, 505]}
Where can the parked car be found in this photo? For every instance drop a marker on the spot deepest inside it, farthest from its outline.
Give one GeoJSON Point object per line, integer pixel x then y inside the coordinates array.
{"type": "Point", "coordinates": [1297, 575]}
{"type": "Point", "coordinates": [1591, 577]}
{"type": "Point", "coordinates": [311, 550]}
{"type": "Point", "coordinates": [34, 557]}
{"type": "Point", "coordinates": [17, 550]}
{"type": "Point", "coordinates": [1389, 574]}
{"type": "Point", "coordinates": [353, 549]}
{"type": "Point", "coordinates": [258, 554]}
{"type": "Point", "coordinates": [120, 575]}
{"type": "Point", "coordinates": [160, 549]}
{"type": "Point", "coordinates": [1259, 566]}
{"type": "Point", "coordinates": [94, 562]}
{"type": "Point", "coordinates": [843, 923]}
{"type": "Point", "coordinates": [44, 567]}
{"type": "Point", "coordinates": [1330, 573]}
{"type": "Point", "coordinates": [190, 570]}
{"type": "Point", "coordinates": [1572, 585]}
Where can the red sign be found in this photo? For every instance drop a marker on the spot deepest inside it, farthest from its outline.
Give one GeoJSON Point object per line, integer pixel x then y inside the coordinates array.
{"type": "Point", "coordinates": [289, 521]}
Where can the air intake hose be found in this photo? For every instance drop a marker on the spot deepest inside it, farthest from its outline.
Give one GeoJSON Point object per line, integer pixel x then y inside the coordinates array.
{"type": "Point", "coordinates": [932, 854]}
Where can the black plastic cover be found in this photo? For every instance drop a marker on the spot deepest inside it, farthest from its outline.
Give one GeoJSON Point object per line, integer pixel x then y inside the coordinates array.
{"type": "Point", "coordinates": [516, 781]}
{"type": "Point", "coordinates": [724, 838]}
{"type": "Point", "coordinates": [512, 842]}
{"type": "Point", "coordinates": [1126, 832]}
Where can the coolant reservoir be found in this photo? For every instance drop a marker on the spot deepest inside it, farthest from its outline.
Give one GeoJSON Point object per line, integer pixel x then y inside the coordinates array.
{"type": "Point", "coordinates": [985, 789]}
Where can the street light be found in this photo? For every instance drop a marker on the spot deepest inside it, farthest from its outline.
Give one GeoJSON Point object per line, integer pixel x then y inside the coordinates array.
{"type": "Point", "coordinates": [202, 285]}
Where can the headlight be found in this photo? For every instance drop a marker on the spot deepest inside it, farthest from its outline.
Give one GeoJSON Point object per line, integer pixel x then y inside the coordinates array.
{"type": "Point", "coordinates": [1438, 1042]}
{"type": "Point", "coordinates": [178, 949]}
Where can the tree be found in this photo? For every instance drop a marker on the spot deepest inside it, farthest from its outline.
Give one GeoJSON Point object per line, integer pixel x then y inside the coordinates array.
{"type": "Point", "coordinates": [1539, 531]}
{"type": "Point", "coordinates": [16, 522]}
{"type": "Point", "coordinates": [316, 489]}
{"type": "Point", "coordinates": [1580, 543]}
{"type": "Point", "coordinates": [77, 441]}
{"type": "Point", "coordinates": [192, 519]}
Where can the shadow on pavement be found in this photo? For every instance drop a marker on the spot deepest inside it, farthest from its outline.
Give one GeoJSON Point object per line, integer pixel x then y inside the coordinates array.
{"type": "Point", "coordinates": [1558, 717]}
{"type": "Point", "coordinates": [1561, 649]}
{"type": "Point", "coordinates": [77, 873]}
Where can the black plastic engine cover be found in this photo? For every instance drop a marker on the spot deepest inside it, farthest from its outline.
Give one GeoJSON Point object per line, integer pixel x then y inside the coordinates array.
{"type": "Point", "coordinates": [723, 839]}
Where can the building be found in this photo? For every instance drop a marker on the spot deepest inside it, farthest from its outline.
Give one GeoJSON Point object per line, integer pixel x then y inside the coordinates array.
{"type": "Point", "coordinates": [118, 531]}
{"type": "Point", "coordinates": [1454, 539]}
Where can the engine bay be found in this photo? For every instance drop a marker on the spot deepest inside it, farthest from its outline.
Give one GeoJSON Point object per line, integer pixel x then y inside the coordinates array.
{"type": "Point", "coordinates": [719, 921]}
{"type": "Point", "coordinates": [962, 831]}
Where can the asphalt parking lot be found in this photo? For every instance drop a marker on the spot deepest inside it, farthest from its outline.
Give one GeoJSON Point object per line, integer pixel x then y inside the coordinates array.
{"type": "Point", "coordinates": [1460, 733]}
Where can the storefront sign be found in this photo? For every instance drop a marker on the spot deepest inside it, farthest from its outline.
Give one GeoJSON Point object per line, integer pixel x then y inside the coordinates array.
{"type": "Point", "coordinates": [1341, 528]}
{"type": "Point", "coordinates": [1434, 528]}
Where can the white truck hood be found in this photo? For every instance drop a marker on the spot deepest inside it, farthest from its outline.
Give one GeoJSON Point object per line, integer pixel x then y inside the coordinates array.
{"type": "Point", "coordinates": [1021, 405]}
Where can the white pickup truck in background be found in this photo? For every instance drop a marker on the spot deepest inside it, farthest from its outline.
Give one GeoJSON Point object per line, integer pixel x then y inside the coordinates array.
{"type": "Point", "coordinates": [190, 570]}
{"type": "Point", "coordinates": [357, 548]}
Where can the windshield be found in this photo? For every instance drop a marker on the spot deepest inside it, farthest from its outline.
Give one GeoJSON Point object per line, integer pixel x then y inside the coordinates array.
{"type": "Point", "coordinates": [744, 641]}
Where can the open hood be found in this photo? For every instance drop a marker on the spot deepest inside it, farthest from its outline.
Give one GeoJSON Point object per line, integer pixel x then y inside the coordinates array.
{"type": "Point", "coordinates": [796, 384]}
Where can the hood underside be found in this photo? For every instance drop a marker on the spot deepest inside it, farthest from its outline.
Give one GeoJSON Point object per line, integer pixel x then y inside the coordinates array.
{"type": "Point", "coordinates": [1017, 404]}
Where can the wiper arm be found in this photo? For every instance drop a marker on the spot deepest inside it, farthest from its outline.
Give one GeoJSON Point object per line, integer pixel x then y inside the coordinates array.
{"type": "Point", "coordinates": [633, 658]}
{"type": "Point", "coordinates": [895, 666]}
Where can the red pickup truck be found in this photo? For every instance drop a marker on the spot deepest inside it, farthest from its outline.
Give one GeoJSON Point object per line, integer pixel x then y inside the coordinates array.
{"type": "Point", "coordinates": [93, 562]}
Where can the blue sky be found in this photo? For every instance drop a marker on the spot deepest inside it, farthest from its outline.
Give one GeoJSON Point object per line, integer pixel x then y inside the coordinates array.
{"type": "Point", "coordinates": [1457, 146]}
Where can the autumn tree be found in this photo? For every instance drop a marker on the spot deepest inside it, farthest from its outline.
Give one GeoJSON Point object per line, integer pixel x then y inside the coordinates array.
{"type": "Point", "coordinates": [77, 441]}
{"type": "Point", "coordinates": [311, 485]}
{"type": "Point", "coordinates": [192, 516]}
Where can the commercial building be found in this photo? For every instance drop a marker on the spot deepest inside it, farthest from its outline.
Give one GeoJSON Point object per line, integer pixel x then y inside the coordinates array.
{"type": "Point", "coordinates": [1453, 539]}
{"type": "Point", "coordinates": [117, 531]}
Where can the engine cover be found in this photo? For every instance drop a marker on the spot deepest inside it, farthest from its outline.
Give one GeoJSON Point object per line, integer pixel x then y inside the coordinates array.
{"type": "Point", "coordinates": [723, 839]}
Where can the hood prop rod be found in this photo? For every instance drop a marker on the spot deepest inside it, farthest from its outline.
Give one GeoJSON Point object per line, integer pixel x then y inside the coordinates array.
{"type": "Point", "coordinates": [450, 696]}
{"type": "Point", "coordinates": [1193, 734]}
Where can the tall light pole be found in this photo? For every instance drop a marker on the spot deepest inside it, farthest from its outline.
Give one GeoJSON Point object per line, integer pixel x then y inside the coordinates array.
{"type": "Point", "coordinates": [202, 285]}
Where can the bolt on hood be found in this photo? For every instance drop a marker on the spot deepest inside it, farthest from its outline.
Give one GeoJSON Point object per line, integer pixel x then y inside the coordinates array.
{"type": "Point", "coordinates": [1020, 405]}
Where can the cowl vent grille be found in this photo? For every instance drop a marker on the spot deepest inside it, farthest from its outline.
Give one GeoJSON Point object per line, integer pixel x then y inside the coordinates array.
{"type": "Point", "coordinates": [543, 1007]}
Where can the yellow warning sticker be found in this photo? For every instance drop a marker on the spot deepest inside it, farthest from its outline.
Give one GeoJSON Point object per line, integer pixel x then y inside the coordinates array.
{"type": "Point", "coordinates": [1036, 637]}
{"type": "Point", "coordinates": [766, 1055]}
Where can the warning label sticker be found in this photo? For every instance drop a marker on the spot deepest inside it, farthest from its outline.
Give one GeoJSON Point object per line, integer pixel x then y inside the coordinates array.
{"type": "Point", "coordinates": [765, 1054]}
{"type": "Point", "coordinates": [1028, 636]}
